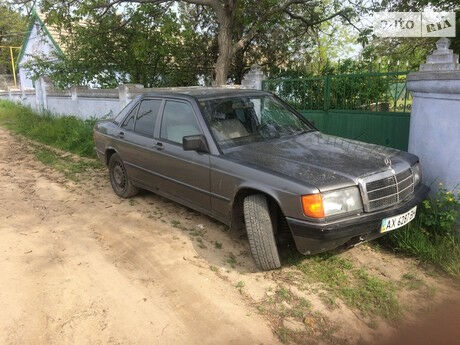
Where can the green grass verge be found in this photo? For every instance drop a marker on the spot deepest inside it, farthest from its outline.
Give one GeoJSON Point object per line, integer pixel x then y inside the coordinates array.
{"type": "Point", "coordinates": [441, 250]}
{"type": "Point", "coordinates": [431, 236]}
{"type": "Point", "coordinates": [354, 286]}
{"type": "Point", "coordinates": [63, 132]}
{"type": "Point", "coordinates": [66, 165]}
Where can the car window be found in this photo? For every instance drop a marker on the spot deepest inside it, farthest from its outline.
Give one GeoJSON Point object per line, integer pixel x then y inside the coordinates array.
{"type": "Point", "coordinates": [146, 116]}
{"type": "Point", "coordinates": [129, 121]}
{"type": "Point", "coordinates": [241, 120]}
{"type": "Point", "coordinates": [178, 121]}
{"type": "Point", "coordinates": [121, 115]}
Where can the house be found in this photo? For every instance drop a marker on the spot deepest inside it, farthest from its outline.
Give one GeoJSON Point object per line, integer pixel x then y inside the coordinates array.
{"type": "Point", "coordinates": [40, 40]}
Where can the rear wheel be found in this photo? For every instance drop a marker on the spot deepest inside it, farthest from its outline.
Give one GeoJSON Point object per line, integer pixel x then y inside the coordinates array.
{"type": "Point", "coordinates": [121, 184]}
{"type": "Point", "coordinates": [261, 232]}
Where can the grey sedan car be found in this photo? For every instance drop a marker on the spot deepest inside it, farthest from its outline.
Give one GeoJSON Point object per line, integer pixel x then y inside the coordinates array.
{"type": "Point", "coordinates": [251, 161]}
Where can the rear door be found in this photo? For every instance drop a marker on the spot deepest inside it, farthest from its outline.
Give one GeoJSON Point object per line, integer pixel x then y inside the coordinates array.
{"type": "Point", "coordinates": [185, 174]}
{"type": "Point", "coordinates": [136, 145]}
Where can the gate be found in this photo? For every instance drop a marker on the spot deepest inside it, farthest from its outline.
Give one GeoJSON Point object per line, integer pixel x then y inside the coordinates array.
{"type": "Point", "coordinates": [373, 107]}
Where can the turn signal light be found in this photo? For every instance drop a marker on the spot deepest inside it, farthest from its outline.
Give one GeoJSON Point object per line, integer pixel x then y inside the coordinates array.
{"type": "Point", "coordinates": [313, 205]}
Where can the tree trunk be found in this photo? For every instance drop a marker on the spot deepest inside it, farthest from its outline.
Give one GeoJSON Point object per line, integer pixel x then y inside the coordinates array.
{"type": "Point", "coordinates": [224, 38]}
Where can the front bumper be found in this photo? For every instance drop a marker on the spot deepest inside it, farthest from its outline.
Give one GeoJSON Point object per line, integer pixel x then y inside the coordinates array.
{"type": "Point", "coordinates": [313, 237]}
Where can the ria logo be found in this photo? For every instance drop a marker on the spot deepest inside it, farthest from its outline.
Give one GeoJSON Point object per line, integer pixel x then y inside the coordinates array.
{"type": "Point", "coordinates": [387, 161]}
{"type": "Point", "coordinates": [414, 24]}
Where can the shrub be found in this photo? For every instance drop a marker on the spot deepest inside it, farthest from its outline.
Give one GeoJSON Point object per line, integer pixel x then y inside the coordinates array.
{"type": "Point", "coordinates": [431, 236]}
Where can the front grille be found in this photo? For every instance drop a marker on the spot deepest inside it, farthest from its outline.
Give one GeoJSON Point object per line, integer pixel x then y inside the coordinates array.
{"type": "Point", "coordinates": [388, 191]}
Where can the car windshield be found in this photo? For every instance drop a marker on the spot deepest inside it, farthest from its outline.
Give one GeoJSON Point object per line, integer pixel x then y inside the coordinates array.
{"type": "Point", "coordinates": [240, 120]}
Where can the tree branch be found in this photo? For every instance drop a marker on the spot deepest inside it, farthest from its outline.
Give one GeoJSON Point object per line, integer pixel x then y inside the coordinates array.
{"type": "Point", "coordinates": [316, 22]}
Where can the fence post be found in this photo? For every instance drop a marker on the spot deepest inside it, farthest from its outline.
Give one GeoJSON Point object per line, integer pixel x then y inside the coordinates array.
{"type": "Point", "coordinates": [326, 101]}
{"type": "Point", "coordinates": [124, 92]}
{"type": "Point", "coordinates": [40, 94]}
{"type": "Point", "coordinates": [327, 93]}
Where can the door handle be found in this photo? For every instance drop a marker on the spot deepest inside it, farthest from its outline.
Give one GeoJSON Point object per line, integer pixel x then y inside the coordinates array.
{"type": "Point", "coordinates": [121, 135]}
{"type": "Point", "coordinates": [159, 146]}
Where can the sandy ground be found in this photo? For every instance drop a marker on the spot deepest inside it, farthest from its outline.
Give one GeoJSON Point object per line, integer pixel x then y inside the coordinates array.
{"type": "Point", "coordinates": [78, 265]}
{"type": "Point", "coordinates": [84, 267]}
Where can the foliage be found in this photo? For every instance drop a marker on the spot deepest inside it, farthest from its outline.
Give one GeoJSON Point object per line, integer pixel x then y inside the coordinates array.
{"type": "Point", "coordinates": [63, 132]}
{"type": "Point", "coordinates": [12, 29]}
{"type": "Point", "coordinates": [157, 42]}
{"type": "Point", "coordinates": [146, 44]}
{"type": "Point", "coordinates": [439, 214]}
{"type": "Point", "coordinates": [412, 51]}
{"type": "Point", "coordinates": [359, 91]}
{"type": "Point", "coordinates": [431, 236]}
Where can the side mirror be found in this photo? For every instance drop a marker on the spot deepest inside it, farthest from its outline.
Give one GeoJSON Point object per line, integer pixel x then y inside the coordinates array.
{"type": "Point", "coordinates": [195, 143]}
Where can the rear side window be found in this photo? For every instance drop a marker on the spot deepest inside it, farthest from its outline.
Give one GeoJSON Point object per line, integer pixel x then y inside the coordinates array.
{"type": "Point", "coordinates": [129, 121]}
{"type": "Point", "coordinates": [146, 116]}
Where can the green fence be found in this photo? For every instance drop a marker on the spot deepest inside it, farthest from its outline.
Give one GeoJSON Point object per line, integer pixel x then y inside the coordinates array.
{"type": "Point", "coordinates": [372, 107]}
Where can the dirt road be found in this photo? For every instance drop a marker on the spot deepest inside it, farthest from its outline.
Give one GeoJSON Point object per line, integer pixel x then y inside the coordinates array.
{"type": "Point", "coordinates": [78, 265]}
{"type": "Point", "coordinates": [84, 267]}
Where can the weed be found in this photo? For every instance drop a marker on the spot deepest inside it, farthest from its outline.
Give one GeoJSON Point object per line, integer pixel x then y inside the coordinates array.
{"type": "Point", "coordinates": [175, 223]}
{"type": "Point", "coordinates": [66, 165]}
{"type": "Point", "coordinates": [284, 294]}
{"type": "Point", "coordinates": [240, 285]}
{"type": "Point", "coordinates": [304, 303]}
{"type": "Point", "coordinates": [411, 281]}
{"type": "Point", "coordinates": [231, 260]}
{"type": "Point", "coordinates": [328, 300]}
{"type": "Point", "coordinates": [213, 268]}
{"type": "Point", "coordinates": [431, 236]}
{"type": "Point", "coordinates": [284, 334]}
{"type": "Point", "coordinates": [217, 245]}
{"type": "Point", "coordinates": [200, 243]}
{"type": "Point", "coordinates": [63, 132]}
{"type": "Point", "coordinates": [358, 289]}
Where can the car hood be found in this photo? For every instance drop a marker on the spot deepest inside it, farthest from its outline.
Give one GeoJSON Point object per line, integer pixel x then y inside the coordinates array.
{"type": "Point", "coordinates": [323, 161]}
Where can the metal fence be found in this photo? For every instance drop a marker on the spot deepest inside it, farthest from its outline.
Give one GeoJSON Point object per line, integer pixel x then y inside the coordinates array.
{"type": "Point", "coordinates": [372, 107]}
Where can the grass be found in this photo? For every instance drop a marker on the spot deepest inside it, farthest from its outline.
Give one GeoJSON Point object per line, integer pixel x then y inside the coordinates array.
{"type": "Point", "coordinates": [282, 305]}
{"type": "Point", "coordinates": [240, 285]}
{"type": "Point", "coordinates": [431, 237]}
{"type": "Point", "coordinates": [231, 260]}
{"type": "Point", "coordinates": [441, 250]}
{"type": "Point", "coordinates": [354, 286]}
{"type": "Point", "coordinates": [67, 133]}
{"type": "Point", "coordinates": [411, 281]}
{"type": "Point", "coordinates": [66, 165]}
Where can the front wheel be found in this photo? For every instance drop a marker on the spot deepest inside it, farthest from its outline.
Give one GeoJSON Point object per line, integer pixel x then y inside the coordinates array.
{"type": "Point", "coordinates": [121, 184]}
{"type": "Point", "coordinates": [260, 229]}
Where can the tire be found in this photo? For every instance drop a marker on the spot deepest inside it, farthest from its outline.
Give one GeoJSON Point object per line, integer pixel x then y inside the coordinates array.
{"type": "Point", "coordinates": [121, 184]}
{"type": "Point", "coordinates": [260, 230]}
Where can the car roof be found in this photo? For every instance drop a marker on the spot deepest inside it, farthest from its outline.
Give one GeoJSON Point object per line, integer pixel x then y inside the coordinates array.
{"type": "Point", "coordinates": [200, 92]}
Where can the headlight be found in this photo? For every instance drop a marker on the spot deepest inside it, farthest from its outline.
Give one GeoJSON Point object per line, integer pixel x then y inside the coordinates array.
{"type": "Point", "coordinates": [342, 201]}
{"type": "Point", "coordinates": [417, 173]}
{"type": "Point", "coordinates": [332, 203]}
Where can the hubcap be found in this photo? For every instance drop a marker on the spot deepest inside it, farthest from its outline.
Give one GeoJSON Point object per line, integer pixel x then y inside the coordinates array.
{"type": "Point", "coordinates": [119, 176]}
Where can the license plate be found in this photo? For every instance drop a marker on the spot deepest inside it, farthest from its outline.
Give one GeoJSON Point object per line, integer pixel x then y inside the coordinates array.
{"type": "Point", "coordinates": [395, 222]}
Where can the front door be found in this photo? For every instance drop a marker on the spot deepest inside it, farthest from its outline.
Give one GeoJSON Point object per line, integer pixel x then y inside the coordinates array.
{"type": "Point", "coordinates": [184, 174]}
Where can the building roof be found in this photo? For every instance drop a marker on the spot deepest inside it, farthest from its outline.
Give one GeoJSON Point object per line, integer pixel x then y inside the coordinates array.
{"type": "Point", "coordinates": [50, 31]}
